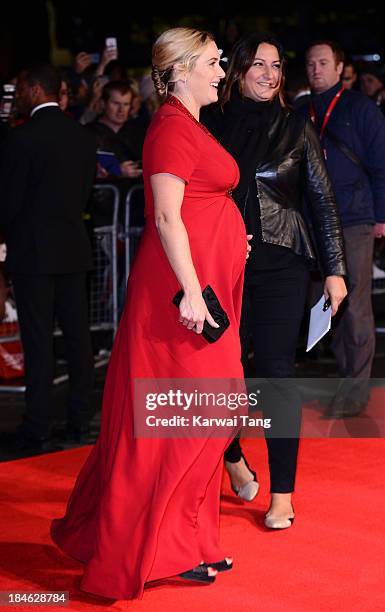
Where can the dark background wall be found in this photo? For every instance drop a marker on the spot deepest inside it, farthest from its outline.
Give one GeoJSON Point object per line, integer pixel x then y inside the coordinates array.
{"type": "Point", "coordinates": [83, 25]}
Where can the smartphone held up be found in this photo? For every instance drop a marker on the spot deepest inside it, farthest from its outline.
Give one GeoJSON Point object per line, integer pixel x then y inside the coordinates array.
{"type": "Point", "coordinates": [111, 44]}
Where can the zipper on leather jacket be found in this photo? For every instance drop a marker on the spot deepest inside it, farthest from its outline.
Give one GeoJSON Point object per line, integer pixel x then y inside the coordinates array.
{"type": "Point", "coordinates": [244, 205]}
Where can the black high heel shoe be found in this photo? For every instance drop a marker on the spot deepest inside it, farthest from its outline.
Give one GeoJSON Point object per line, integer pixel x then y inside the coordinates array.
{"type": "Point", "coordinates": [248, 491]}
{"type": "Point", "coordinates": [200, 573]}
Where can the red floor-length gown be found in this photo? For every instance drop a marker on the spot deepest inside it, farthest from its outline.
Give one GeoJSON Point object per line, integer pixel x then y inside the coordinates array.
{"type": "Point", "coordinates": [145, 509]}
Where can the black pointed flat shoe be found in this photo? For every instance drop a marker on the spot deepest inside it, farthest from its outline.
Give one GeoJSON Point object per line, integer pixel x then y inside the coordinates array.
{"type": "Point", "coordinates": [220, 566]}
{"type": "Point", "coordinates": [199, 574]}
{"type": "Point", "coordinates": [279, 523]}
{"type": "Point", "coordinates": [249, 490]}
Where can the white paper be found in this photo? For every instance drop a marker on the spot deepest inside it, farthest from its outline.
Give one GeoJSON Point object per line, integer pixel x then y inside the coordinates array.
{"type": "Point", "coordinates": [320, 323]}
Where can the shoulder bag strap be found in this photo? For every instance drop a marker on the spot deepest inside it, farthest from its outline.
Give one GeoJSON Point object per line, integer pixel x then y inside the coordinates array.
{"type": "Point", "coordinates": [345, 150]}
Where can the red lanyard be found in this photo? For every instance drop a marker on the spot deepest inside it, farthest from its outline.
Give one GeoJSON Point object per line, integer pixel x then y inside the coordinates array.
{"type": "Point", "coordinates": [328, 112]}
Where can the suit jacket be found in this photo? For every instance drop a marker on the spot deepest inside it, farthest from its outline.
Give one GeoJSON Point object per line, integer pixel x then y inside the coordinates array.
{"type": "Point", "coordinates": [47, 170]}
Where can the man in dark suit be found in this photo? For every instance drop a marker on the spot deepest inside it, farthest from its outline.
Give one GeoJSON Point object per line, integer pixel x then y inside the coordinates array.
{"type": "Point", "coordinates": [47, 171]}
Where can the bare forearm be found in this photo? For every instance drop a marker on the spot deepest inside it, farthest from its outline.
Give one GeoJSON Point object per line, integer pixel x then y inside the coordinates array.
{"type": "Point", "coordinates": [99, 71]}
{"type": "Point", "coordinates": [174, 238]}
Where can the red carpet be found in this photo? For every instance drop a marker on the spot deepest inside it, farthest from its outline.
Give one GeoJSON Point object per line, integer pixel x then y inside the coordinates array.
{"type": "Point", "coordinates": [333, 558]}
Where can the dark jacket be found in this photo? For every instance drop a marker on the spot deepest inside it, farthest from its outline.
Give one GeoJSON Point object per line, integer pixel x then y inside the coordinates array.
{"type": "Point", "coordinates": [360, 125]}
{"type": "Point", "coordinates": [114, 142]}
{"type": "Point", "coordinates": [293, 166]}
{"type": "Point", "coordinates": [46, 175]}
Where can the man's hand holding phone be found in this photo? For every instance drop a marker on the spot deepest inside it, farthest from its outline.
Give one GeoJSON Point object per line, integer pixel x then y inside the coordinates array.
{"type": "Point", "coordinates": [111, 46]}
{"type": "Point", "coordinates": [131, 169]}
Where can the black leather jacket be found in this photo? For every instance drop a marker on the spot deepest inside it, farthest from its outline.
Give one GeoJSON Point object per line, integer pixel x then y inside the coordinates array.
{"type": "Point", "coordinates": [294, 168]}
{"type": "Point", "coordinates": [297, 168]}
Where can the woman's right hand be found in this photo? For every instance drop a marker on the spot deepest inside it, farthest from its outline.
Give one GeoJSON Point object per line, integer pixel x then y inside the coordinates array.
{"type": "Point", "coordinates": [248, 248]}
{"type": "Point", "coordinates": [193, 312]}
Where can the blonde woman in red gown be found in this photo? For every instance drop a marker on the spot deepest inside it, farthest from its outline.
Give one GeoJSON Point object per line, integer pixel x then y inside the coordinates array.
{"type": "Point", "coordinates": [146, 509]}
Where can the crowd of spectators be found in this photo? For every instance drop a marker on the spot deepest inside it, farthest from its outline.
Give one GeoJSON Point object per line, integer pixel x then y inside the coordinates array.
{"type": "Point", "coordinates": [118, 109]}
{"type": "Point", "coordinates": [102, 97]}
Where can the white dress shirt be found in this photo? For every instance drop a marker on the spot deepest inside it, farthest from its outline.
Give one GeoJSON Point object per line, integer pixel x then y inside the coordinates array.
{"type": "Point", "coordinates": [39, 106]}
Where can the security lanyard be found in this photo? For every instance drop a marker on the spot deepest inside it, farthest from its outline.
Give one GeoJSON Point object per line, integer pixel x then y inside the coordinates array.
{"type": "Point", "coordinates": [328, 112]}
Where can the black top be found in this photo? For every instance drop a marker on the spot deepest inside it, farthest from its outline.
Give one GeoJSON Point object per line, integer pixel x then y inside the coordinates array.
{"type": "Point", "coordinates": [263, 255]}
{"type": "Point", "coordinates": [243, 131]}
{"type": "Point", "coordinates": [118, 142]}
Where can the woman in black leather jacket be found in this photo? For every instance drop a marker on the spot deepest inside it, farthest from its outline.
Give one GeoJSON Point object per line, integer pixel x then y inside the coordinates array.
{"type": "Point", "coordinates": [281, 163]}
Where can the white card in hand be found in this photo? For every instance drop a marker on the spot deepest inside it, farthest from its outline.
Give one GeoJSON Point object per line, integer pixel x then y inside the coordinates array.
{"type": "Point", "coordinates": [320, 323]}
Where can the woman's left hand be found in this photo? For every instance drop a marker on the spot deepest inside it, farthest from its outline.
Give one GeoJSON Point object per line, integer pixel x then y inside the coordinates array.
{"type": "Point", "coordinates": [249, 237]}
{"type": "Point", "coordinates": [335, 289]}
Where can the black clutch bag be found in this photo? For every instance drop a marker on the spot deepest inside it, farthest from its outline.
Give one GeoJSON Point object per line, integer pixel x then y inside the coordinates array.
{"type": "Point", "coordinates": [211, 334]}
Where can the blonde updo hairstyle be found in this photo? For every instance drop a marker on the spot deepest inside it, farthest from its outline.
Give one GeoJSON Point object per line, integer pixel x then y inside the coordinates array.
{"type": "Point", "coordinates": [180, 46]}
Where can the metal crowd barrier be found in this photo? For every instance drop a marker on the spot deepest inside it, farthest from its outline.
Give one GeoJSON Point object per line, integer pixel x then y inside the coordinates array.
{"type": "Point", "coordinates": [378, 289]}
{"type": "Point", "coordinates": [102, 290]}
{"type": "Point", "coordinates": [132, 232]}
{"type": "Point", "coordinates": [103, 287]}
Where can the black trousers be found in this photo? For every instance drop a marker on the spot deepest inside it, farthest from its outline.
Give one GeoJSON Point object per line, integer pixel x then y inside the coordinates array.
{"type": "Point", "coordinates": [272, 311]}
{"type": "Point", "coordinates": [39, 298]}
{"type": "Point", "coordinates": [353, 340]}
